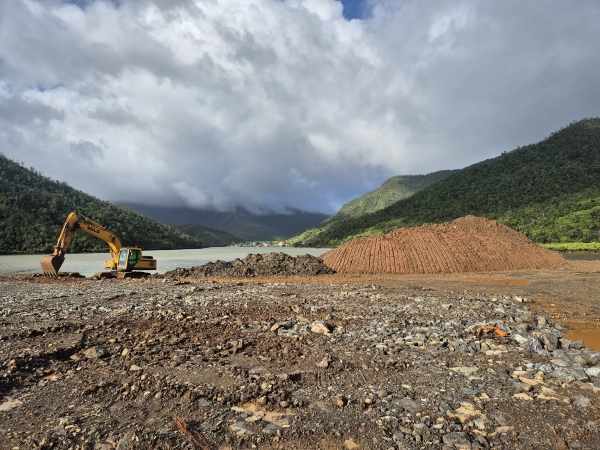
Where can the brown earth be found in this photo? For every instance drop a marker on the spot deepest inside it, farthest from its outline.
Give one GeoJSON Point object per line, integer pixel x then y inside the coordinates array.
{"type": "Point", "coordinates": [468, 244]}
{"type": "Point", "coordinates": [253, 265]}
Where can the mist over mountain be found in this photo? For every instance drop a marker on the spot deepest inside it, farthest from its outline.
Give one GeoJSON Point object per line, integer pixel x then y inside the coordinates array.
{"type": "Point", "coordinates": [241, 223]}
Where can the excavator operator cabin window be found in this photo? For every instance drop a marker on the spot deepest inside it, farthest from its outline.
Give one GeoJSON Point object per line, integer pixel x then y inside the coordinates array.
{"type": "Point", "coordinates": [123, 258]}
{"type": "Point", "coordinates": [134, 256]}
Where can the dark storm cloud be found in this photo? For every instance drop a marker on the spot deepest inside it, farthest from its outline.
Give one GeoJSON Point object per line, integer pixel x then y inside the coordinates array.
{"type": "Point", "coordinates": [275, 104]}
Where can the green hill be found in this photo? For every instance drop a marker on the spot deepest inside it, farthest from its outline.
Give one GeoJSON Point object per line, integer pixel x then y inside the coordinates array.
{"type": "Point", "coordinates": [550, 191]}
{"type": "Point", "coordinates": [392, 190]}
{"type": "Point", "coordinates": [209, 236]}
{"type": "Point", "coordinates": [33, 209]}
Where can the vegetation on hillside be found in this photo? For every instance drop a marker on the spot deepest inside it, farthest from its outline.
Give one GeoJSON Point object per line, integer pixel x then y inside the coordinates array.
{"type": "Point", "coordinates": [577, 247]}
{"type": "Point", "coordinates": [549, 191]}
{"type": "Point", "coordinates": [210, 237]}
{"type": "Point", "coordinates": [33, 209]}
{"type": "Point", "coordinates": [392, 190]}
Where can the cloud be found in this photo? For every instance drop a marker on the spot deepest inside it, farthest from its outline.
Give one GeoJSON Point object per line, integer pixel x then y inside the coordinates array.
{"type": "Point", "coordinates": [276, 104]}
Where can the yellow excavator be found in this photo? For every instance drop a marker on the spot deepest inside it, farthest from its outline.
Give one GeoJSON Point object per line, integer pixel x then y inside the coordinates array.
{"type": "Point", "coordinates": [123, 260]}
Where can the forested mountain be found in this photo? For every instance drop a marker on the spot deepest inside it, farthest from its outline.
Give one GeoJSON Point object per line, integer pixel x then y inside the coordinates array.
{"type": "Point", "coordinates": [392, 190]}
{"type": "Point", "coordinates": [241, 223]}
{"type": "Point", "coordinates": [550, 191]}
{"type": "Point", "coordinates": [33, 209]}
{"type": "Point", "coordinates": [208, 236]}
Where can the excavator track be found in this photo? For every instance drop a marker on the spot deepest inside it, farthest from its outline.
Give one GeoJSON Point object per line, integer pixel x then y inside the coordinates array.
{"type": "Point", "coordinates": [120, 275]}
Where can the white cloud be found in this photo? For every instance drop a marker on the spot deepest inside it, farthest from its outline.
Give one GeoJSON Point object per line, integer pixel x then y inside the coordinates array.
{"type": "Point", "coordinates": [275, 104]}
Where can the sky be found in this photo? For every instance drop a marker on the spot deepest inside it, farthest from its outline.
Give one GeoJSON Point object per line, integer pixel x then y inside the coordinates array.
{"type": "Point", "coordinates": [279, 104]}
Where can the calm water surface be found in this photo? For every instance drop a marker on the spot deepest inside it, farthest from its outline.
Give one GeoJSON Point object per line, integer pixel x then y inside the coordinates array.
{"type": "Point", "coordinates": [582, 256]}
{"type": "Point", "coordinates": [89, 263]}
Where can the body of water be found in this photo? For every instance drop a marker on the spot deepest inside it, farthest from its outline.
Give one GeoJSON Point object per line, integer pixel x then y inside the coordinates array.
{"type": "Point", "coordinates": [89, 263]}
{"type": "Point", "coordinates": [582, 256]}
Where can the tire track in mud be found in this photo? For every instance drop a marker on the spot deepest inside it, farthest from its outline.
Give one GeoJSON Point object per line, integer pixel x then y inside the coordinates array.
{"type": "Point", "coordinates": [468, 244]}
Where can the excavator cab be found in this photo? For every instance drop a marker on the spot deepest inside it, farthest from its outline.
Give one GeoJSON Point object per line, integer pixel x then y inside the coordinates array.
{"type": "Point", "coordinates": [131, 258]}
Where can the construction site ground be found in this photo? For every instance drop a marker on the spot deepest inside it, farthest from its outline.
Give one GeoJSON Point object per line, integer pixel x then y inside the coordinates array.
{"type": "Point", "coordinates": [330, 362]}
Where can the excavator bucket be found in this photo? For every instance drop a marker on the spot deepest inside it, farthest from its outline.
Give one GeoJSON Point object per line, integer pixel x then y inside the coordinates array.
{"type": "Point", "coordinates": [51, 264]}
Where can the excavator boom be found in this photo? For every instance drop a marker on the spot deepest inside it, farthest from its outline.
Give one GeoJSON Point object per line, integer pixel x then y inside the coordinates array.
{"type": "Point", "coordinates": [133, 256]}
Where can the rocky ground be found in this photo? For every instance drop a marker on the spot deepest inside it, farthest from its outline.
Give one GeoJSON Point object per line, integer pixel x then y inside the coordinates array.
{"type": "Point", "coordinates": [283, 364]}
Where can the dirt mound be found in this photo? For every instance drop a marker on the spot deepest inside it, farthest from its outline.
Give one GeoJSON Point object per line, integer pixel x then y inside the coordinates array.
{"type": "Point", "coordinates": [468, 244]}
{"type": "Point", "coordinates": [40, 277]}
{"type": "Point", "coordinates": [253, 265]}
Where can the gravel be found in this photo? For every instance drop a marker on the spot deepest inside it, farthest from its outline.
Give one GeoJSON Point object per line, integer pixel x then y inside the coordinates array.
{"type": "Point", "coordinates": [109, 364]}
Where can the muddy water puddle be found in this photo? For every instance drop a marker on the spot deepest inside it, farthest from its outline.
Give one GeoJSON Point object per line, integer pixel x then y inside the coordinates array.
{"type": "Point", "coordinates": [591, 339]}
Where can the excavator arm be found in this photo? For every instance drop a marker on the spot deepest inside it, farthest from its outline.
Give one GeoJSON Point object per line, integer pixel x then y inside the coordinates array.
{"type": "Point", "coordinates": [75, 221]}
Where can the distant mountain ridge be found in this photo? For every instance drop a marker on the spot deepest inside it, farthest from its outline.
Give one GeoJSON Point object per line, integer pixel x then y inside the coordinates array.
{"type": "Point", "coordinates": [392, 190]}
{"type": "Point", "coordinates": [33, 209]}
{"type": "Point", "coordinates": [550, 191]}
{"type": "Point", "coordinates": [241, 223]}
{"type": "Point", "coordinates": [209, 236]}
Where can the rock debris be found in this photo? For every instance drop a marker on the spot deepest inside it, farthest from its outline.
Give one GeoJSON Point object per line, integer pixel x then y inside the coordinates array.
{"type": "Point", "coordinates": [111, 364]}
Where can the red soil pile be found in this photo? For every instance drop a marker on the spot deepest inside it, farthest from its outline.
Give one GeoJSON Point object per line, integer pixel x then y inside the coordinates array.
{"type": "Point", "coordinates": [468, 244]}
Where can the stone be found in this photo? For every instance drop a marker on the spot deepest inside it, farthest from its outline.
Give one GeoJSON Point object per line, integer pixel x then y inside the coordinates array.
{"type": "Point", "coordinates": [324, 363]}
{"type": "Point", "coordinates": [466, 413]}
{"type": "Point", "coordinates": [550, 394]}
{"type": "Point", "coordinates": [135, 368]}
{"type": "Point", "coordinates": [542, 322]}
{"type": "Point", "coordinates": [203, 402]}
{"type": "Point", "coordinates": [320, 327]}
{"type": "Point", "coordinates": [125, 441]}
{"type": "Point", "coordinates": [96, 352]}
{"type": "Point", "coordinates": [338, 401]}
{"type": "Point", "coordinates": [457, 440]}
{"type": "Point", "coordinates": [521, 340]}
{"type": "Point", "coordinates": [523, 396]}
{"type": "Point", "coordinates": [575, 372]}
{"type": "Point", "coordinates": [593, 371]}
{"type": "Point", "coordinates": [465, 370]}
{"type": "Point", "coordinates": [382, 393]}
{"type": "Point", "coordinates": [240, 429]}
{"type": "Point", "coordinates": [577, 344]}
{"type": "Point", "coordinates": [550, 341]}
{"type": "Point", "coordinates": [271, 429]}
{"type": "Point", "coordinates": [409, 404]}
{"type": "Point", "coordinates": [582, 402]}
{"type": "Point", "coordinates": [531, 382]}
